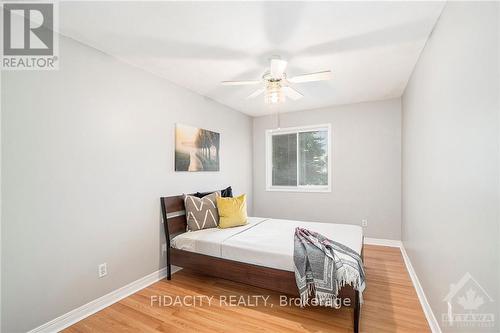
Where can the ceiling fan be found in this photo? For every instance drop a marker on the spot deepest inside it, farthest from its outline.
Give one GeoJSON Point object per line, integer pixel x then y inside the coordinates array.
{"type": "Point", "coordinates": [276, 84]}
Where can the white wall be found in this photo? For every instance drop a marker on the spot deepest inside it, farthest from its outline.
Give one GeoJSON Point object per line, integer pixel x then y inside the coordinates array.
{"type": "Point", "coordinates": [366, 169]}
{"type": "Point", "coordinates": [0, 207]}
{"type": "Point", "coordinates": [451, 155]}
{"type": "Point", "coordinates": [86, 153]}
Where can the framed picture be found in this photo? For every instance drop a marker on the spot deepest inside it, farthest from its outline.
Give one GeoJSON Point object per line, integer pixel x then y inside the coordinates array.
{"type": "Point", "coordinates": [196, 149]}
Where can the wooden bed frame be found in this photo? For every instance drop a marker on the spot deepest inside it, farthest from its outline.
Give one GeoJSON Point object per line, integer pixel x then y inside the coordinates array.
{"type": "Point", "coordinates": [174, 221]}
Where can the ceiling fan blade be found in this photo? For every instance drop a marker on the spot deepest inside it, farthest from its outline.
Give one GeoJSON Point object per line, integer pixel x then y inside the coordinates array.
{"type": "Point", "coordinates": [277, 68]}
{"type": "Point", "coordinates": [256, 93]}
{"type": "Point", "coordinates": [239, 83]}
{"type": "Point", "coordinates": [292, 93]}
{"type": "Point", "coordinates": [318, 76]}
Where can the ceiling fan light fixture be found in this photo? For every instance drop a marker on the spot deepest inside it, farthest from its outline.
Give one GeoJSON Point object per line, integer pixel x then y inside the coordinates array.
{"type": "Point", "coordinates": [274, 94]}
{"type": "Point", "coordinates": [277, 85]}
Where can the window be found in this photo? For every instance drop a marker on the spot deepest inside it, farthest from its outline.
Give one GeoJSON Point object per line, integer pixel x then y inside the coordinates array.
{"type": "Point", "coordinates": [297, 159]}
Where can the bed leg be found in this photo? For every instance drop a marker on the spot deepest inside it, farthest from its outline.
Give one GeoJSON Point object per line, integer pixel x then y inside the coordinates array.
{"type": "Point", "coordinates": [169, 272]}
{"type": "Point", "coordinates": [169, 266]}
{"type": "Point", "coordinates": [357, 309]}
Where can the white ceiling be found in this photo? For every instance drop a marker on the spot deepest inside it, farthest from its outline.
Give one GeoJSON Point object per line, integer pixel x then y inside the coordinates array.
{"type": "Point", "coordinates": [371, 47]}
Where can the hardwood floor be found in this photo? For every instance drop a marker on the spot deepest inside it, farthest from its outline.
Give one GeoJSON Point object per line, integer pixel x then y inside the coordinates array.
{"type": "Point", "coordinates": [391, 305]}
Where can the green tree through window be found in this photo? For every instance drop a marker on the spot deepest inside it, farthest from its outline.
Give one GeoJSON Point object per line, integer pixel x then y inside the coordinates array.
{"type": "Point", "coordinates": [313, 160]}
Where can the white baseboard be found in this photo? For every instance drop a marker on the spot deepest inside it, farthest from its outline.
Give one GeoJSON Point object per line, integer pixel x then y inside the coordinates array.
{"type": "Point", "coordinates": [382, 242]}
{"type": "Point", "coordinates": [431, 319]}
{"type": "Point", "coordinates": [68, 319]}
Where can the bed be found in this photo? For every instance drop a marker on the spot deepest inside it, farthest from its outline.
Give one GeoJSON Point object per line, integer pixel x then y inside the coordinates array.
{"type": "Point", "coordinates": [250, 254]}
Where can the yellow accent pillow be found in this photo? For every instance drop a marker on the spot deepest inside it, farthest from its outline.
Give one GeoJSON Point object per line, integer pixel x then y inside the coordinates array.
{"type": "Point", "coordinates": [232, 211]}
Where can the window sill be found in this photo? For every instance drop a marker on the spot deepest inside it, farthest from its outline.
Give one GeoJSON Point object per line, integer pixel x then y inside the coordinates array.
{"type": "Point", "coordinates": [299, 189]}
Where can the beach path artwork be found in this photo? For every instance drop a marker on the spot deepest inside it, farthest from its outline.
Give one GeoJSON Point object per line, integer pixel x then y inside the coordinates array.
{"type": "Point", "coordinates": [196, 149]}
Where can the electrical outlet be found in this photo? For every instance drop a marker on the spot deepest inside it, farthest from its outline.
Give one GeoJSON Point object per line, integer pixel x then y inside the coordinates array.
{"type": "Point", "coordinates": [163, 248]}
{"type": "Point", "coordinates": [364, 223]}
{"type": "Point", "coordinates": [102, 270]}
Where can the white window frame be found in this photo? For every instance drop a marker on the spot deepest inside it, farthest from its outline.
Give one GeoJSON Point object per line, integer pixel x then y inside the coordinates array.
{"type": "Point", "coordinates": [297, 130]}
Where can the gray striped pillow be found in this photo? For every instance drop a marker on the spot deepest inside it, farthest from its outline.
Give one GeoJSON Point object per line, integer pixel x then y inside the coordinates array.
{"type": "Point", "coordinates": [201, 213]}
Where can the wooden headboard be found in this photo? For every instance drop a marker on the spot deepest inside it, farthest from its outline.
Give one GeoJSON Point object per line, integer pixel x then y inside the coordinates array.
{"type": "Point", "coordinates": [174, 216]}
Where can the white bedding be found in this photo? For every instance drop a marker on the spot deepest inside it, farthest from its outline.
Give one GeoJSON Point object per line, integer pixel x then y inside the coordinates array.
{"type": "Point", "coordinates": [263, 242]}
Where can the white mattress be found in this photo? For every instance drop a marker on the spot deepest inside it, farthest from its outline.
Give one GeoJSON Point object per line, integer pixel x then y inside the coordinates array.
{"type": "Point", "coordinates": [209, 241]}
{"type": "Point", "coordinates": [263, 242]}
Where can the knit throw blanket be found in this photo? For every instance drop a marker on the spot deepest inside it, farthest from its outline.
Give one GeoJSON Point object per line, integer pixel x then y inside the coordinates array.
{"type": "Point", "coordinates": [323, 266]}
